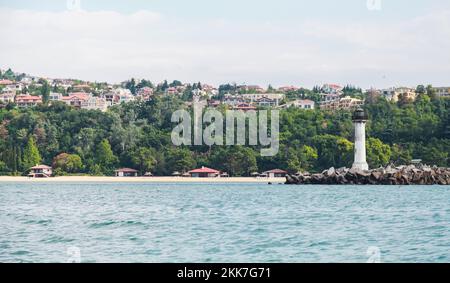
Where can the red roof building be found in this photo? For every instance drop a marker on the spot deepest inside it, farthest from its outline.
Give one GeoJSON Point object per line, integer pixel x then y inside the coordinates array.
{"type": "Point", "coordinates": [6, 82]}
{"type": "Point", "coordinates": [244, 107]}
{"type": "Point", "coordinates": [40, 171]}
{"type": "Point", "coordinates": [204, 172]}
{"type": "Point", "coordinates": [76, 99]}
{"type": "Point", "coordinates": [24, 101]}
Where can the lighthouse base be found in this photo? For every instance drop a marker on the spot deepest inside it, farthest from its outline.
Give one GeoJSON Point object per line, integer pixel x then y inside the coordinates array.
{"type": "Point", "coordinates": [363, 166]}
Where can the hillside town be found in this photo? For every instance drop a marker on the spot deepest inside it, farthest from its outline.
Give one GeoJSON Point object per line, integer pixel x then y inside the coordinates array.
{"type": "Point", "coordinates": [26, 91]}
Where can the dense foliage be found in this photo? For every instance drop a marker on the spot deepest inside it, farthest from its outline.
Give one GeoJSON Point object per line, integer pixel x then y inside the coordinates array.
{"type": "Point", "coordinates": [137, 135]}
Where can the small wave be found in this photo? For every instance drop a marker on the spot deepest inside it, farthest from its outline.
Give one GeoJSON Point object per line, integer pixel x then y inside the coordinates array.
{"type": "Point", "coordinates": [153, 252]}
{"type": "Point", "coordinates": [20, 253]}
{"type": "Point", "coordinates": [132, 223]}
{"type": "Point", "coordinates": [43, 222]}
{"type": "Point", "coordinates": [102, 224]}
{"type": "Point", "coordinates": [120, 223]}
{"type": "Point", "coordinates": [318, 244]}
{"type": "Point", "coordinates": [57, 239]}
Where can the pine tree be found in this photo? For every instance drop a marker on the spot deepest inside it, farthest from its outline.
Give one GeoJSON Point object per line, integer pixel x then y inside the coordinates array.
{"type": "Point", "coordinates": [31, 155]}
{"type": "Point", "coordinates": [45, 91]}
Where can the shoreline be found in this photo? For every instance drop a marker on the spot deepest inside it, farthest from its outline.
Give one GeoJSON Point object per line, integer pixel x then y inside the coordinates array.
{"type": "Point", "coordinates": [86, 179]}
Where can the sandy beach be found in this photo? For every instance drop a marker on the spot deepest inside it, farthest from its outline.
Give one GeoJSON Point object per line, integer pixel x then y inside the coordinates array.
{"type": "Point", "coordinates": [87, 179]}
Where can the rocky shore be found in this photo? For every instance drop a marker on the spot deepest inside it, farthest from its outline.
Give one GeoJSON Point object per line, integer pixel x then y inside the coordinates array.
{"type": "Point", "coordinates": [402, 175]}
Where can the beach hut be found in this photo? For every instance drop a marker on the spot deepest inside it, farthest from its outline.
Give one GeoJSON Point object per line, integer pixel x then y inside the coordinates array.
{"type": "Point", "coordinates": [126, 172]}
{"type": "Point", "coordinates": [224, 175]}
{"type": "Point", "coordinates": [276, 173]}
{"type": "Point", "coordinates": [176, 174]}
{"type": "Point", "coordinates": [255, 174]}
{"type": "Point", "coordinates": [41, 171]}
{"type": "Point", "coordinates": [204, 172]}
{"type": "Point", "coordinates": [148, 174]}
{"type": "Point", "coordinates": [186, 175]}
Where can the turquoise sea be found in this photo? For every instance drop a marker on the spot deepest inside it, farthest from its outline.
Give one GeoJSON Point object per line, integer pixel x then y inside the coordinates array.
{"type": "Point", "coordinates": [125, 222]}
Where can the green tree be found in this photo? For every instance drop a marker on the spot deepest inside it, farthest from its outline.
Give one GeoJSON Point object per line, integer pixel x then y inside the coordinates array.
{"type": "Point", "coordinates": [144, 159]}
{"type": "Point", "coordinates": [3, 167]}
{"type": "Point", "coordinates": [180, 159]}
{"type": "Point", "coordinates": [378, 154]}
{"type": "Point", "coordinates": [299, 160]}
{"type": "Point", "coordinates": [333, 151]}
{"type": "Point", "coordinates": [401, 154]}
{"type": "Point", "coordinates": [308, 156]}
{"type": "Point", "coordinates": [131, 85]}
{"type": "Point", "coordinates": [69, 163]}
{"type": "Point", "coordinates": [421, 89]}
{"type": "Point", "coordinates": [105, 157]}
{"type": "Point", "coordinates": [31, 155]}
{"type": "Point", "coordinates": [431, 92]}
{"type": "Point", "coordinates": [45, 90]}
{"type": "Point", "coordinates": [236, 160]}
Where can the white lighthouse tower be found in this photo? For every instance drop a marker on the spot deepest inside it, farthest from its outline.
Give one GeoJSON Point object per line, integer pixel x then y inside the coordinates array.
{"type": "Point", "coordinates": [359, 119]}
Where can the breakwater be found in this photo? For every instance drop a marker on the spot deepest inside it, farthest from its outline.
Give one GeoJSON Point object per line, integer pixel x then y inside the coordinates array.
{"type": "Point", "coordinates": [401, 175]}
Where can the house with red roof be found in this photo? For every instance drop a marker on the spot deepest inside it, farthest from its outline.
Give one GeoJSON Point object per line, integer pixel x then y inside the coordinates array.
{"type": "Point", "coordinates": [214, 103]}
{"type": "Point", "coordinates": [6, 82]}
{"type": "Point", "coordinates": [245, 107]}
{"type": "Point", "coordinates": [204, 172]}
{"type": "Point", "coordinates": [76, 99]}
{"type": "Point", "coordinates": [24, 101]}
{"type": "Point", "coordinates": [41, 171]}
{"type": "Point", "coordinates": [172, 91]}
{"type": "Point", "coordinates": [332, 89]}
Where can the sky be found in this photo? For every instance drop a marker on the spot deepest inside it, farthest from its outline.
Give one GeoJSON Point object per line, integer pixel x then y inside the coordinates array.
{"type": "Point", "coordinates": [368, 43]}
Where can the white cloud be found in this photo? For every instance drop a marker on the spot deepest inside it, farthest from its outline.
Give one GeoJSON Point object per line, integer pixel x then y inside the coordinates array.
{"type": "Point", "coordinates": [111, 46]}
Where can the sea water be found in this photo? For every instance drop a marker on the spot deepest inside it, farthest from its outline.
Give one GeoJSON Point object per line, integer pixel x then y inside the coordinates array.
{"type": "Point", "coordinates": [129, 222]}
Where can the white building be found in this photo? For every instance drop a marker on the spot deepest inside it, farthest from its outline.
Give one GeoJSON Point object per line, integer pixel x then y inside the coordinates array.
{"type": "Point", "coordinates": [327, 97]}
{"type": "Point", "coordinates": [252, 97]}
{"type": "Point", "coordinates": [95, 103]}
{"type": "Point", "coordinates": [394, 93]}
{"type": "Point", "coordinates": [264, 99]}
{"type": "Point", "coordinates": [267, 102]}
{"type": "Point", "coordinates": [300, 103]}
{"type": "Point", "coordinates": [17, 88]}
{"type": "Point", "coordinates": [7, 97]}
{"type": "Point", "coordinates": [118, 96]}
{"type": "Point", "coordinates": [345, 103]}
{"type": "Point", "coordinates": [233, 100]}
{"type": "Point", "coordinates": [442, 91]}
{"type": "Point", "coordinates": [55, 96]}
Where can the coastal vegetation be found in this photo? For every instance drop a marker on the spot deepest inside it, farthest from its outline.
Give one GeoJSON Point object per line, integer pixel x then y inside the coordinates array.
{"type": "Point", "coordinates": [137, 135]}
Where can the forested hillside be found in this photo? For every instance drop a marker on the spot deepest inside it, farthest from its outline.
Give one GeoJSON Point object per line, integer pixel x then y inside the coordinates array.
{"type": "Point", "coordinates": [137, 135]}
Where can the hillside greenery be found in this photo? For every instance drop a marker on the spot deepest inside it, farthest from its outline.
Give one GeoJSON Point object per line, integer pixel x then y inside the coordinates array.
{"type": "Point", "coordinates": [137, 135]}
